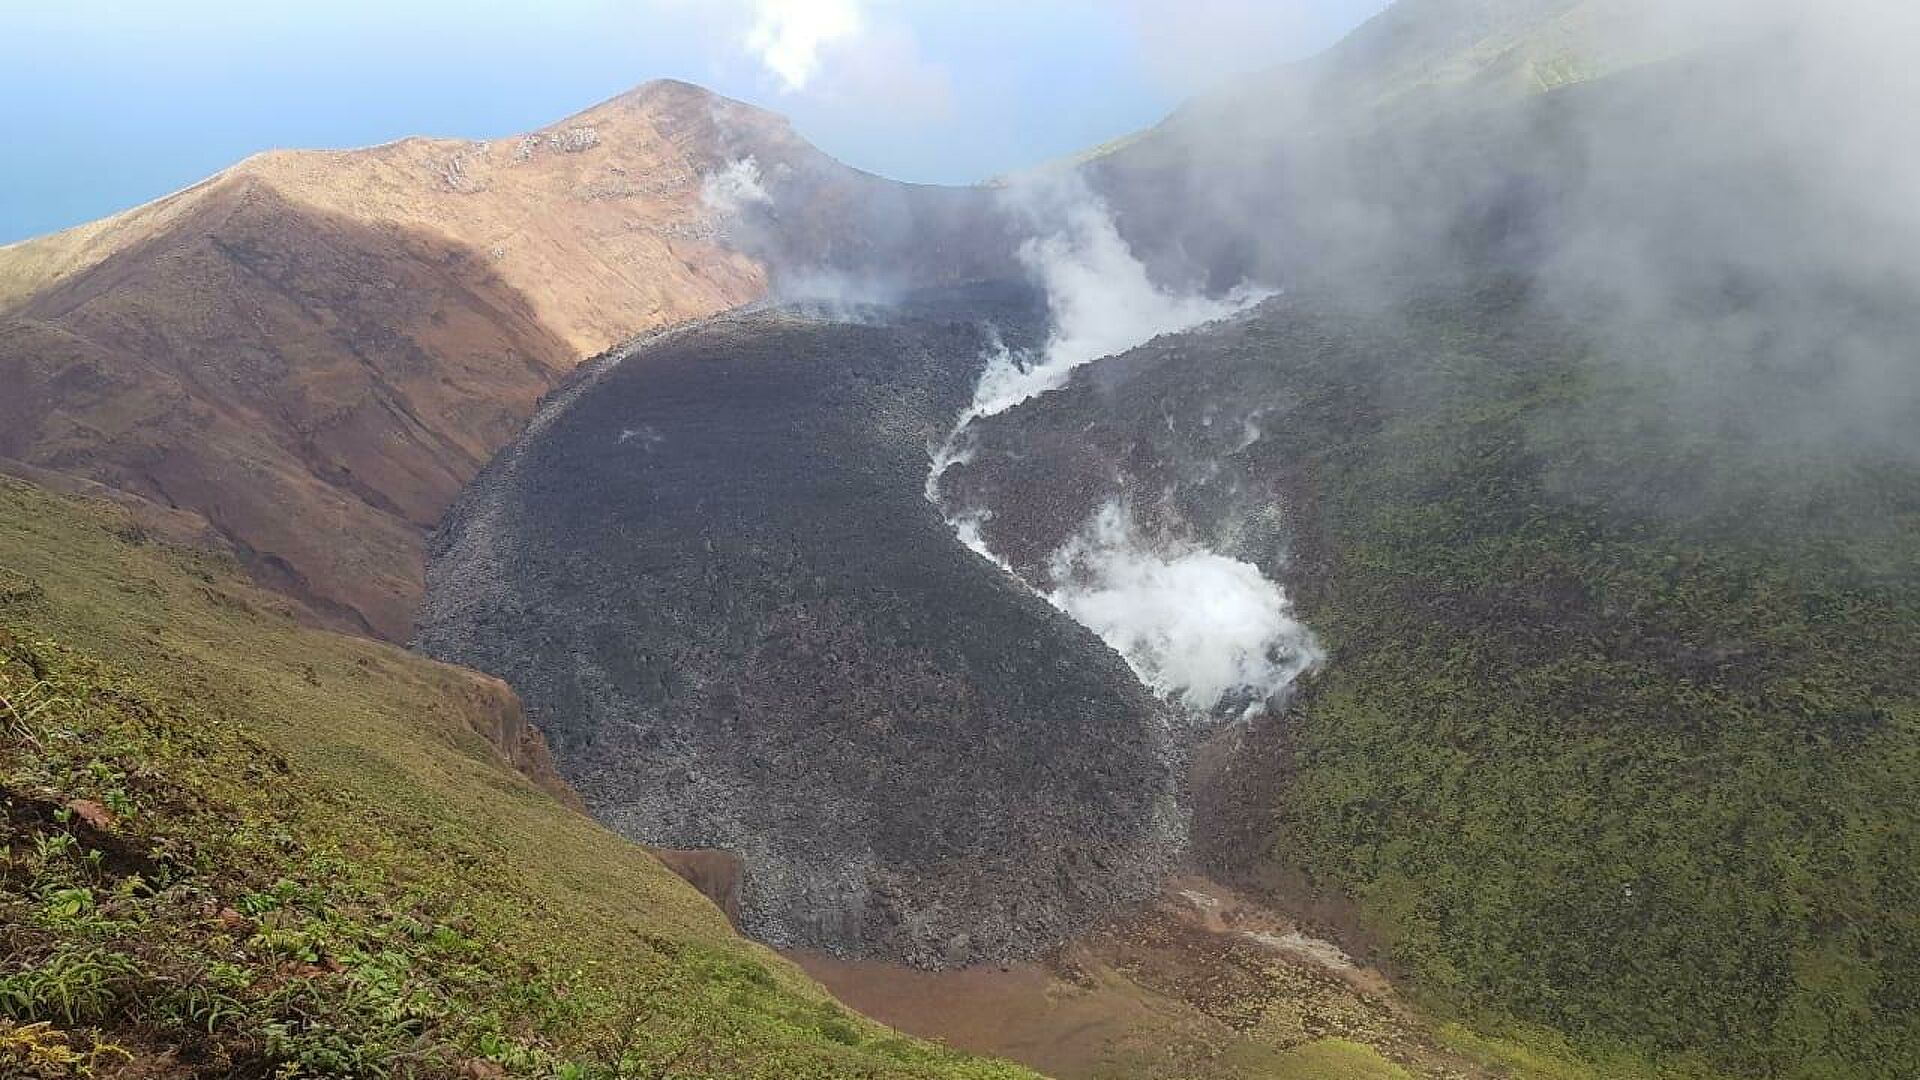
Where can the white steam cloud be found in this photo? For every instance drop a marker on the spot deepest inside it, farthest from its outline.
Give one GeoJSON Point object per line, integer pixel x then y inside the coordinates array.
{"type": "Point", "coordinates": [1102, 302]}
{"type": "Point", "coordinates": [860, 56]}
{"type": "Point", "coordinates": [1196, 626]}
{"type": "Point", "coordinates": [1193, 624]}
{"type": "Point", "coordinates": [734, 188]}
{"type": "Point", "coordinates": [789, 36]}
{"type": "Point", "coordinates": [1101, 298]}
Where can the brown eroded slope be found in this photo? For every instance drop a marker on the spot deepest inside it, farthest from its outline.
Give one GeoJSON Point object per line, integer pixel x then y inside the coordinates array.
{"type": "Point", "coordinates": [598, 219]}
{"type": "Point", "coordinates": [316, 387]}
{"type": "Point", "coordinates": [1201, 983]}
{"type": "Point", "coordinates": [315, 350]}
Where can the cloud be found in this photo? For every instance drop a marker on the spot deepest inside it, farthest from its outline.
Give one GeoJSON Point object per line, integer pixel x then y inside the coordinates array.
{"type": "Point", "coordinates": [884, 70]}
{"type": "Point", "coordinates": [847, 53]}
{"type": "Point", "coordinates": [790, 36]}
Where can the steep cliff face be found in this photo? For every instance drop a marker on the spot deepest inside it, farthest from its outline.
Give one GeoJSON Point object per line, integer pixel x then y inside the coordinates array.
{"type": "Point", "coordinates": [494, 711]}
{"type": "Point", "coordinates": [315, 350]}
{"type": "Point", "coordinates": [710, 569]}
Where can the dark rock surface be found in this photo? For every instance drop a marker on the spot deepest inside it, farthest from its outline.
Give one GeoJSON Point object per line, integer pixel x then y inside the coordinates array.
{"type": "Point", "coordinates": [710, 571]}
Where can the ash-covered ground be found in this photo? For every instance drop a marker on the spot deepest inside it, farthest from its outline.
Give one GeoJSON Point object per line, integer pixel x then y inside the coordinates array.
{"type": "Point", "coordinates": [710, 570]}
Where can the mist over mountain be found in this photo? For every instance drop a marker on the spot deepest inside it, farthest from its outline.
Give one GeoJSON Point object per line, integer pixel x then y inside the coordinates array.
{"type": "Point", "coordinates": [1582, 435]}
{"type": "Point", "coordinates": [1661, 169]}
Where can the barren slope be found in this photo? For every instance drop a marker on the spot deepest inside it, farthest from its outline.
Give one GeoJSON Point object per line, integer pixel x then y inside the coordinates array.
{"type": "Point", "coordinates": [317, 349]}
{"type": "Point", "coordinates": [711, 571]}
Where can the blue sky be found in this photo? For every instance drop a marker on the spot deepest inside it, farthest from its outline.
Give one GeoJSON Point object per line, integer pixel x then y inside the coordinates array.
{"type": "Point", "coordinates": [106, 103]}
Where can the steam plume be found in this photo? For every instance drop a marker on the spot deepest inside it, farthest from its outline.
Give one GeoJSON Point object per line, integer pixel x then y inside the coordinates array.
{"type": "Point", "coordinates": [1195, 625]}
{"type": "Point", "coordinates": [731, 190]}
{"type": "Point", "coordinates": [1101, 298]}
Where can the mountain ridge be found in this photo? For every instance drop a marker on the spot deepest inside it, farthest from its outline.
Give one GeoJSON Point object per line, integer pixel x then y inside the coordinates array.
{"type": "Point", "coordinates": [317, 349]}
{"type": "Point", "coordinates": [1599, 494]}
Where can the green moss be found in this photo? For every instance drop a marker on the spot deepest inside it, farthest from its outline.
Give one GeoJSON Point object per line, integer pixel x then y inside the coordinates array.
{"type": "Point", "coordinates": [314, 866]}
{"type": "Point", "coordinates": [1337, 1059]}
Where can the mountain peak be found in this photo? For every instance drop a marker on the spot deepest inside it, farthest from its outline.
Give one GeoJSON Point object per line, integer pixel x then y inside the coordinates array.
{"type": "Point", "coordinates": [672, 104]}
{"type": "Point", "coordinates": [518, 256]}
{"type": "Point", "coordinates": [674, 91]}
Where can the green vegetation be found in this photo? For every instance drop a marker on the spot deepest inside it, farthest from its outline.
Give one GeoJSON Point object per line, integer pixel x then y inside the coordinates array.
{"type": "Point", "coordinates": [238, 847]}
{"type": "Point", "coordinates": [1338, 1059]}
{"type": "Point", "coordinates": [1622, 729]}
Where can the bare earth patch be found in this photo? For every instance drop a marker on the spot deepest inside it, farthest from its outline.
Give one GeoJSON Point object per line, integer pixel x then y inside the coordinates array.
{"type": "Point", "coordinates": [1202, 982]}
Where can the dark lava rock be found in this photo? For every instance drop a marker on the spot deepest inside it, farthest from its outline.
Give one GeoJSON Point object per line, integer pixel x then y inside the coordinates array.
{"type": "Point", "coordinates": [709, 569]}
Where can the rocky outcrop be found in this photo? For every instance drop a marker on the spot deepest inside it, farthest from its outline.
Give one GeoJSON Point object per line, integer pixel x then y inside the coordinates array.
{"type": "Point", "coordinates": [494, 711]}
{"type": "Point", "coordinates": [716, 874]}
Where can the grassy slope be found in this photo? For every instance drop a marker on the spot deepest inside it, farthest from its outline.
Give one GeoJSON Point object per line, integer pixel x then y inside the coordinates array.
{"type": "Point", "coordinates": [1622, 730]}
{"type": "Point", "coordinates": [314, 867]}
